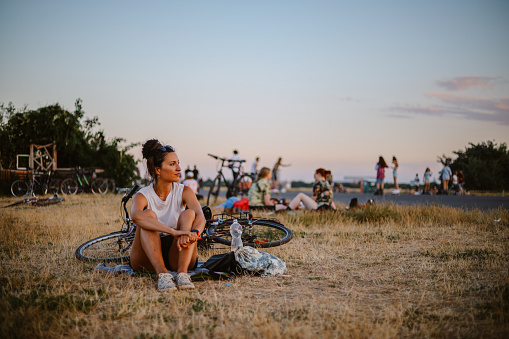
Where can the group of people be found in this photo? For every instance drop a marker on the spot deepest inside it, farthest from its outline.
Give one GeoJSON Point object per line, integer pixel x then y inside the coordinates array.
{"type": "Point", "coordinates": [260, 198]}
{"type": "Point", "coordinates": [170, 218]}
{"type": "Point", "coordinates": [446, 176]}
{"type": "Point", "coordinates": [457, 180]}
{"type": "Point", "coordinates": [450, 181]}
{"type": "Point", "coordinates": [380, 167]}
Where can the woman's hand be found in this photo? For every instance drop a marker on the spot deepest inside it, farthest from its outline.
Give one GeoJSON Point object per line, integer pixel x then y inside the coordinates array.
{"type": "Point", "coordinates": [185, 239]}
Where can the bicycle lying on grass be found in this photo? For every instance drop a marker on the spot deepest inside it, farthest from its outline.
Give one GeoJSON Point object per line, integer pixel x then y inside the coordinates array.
{"type": "Point", "coordinates": [35, 201]}
{"type": "Point", "coordinates": [116, 246]}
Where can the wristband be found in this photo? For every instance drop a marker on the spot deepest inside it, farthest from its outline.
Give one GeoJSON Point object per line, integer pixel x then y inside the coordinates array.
{"type": "Point", "coordinates": [196, 231]}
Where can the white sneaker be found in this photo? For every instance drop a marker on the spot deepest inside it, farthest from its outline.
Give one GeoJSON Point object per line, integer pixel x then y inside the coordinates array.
{"type": "Point", "coordinates": [165, 282]}
{"type": "Point", "coordinates": [184, 281]}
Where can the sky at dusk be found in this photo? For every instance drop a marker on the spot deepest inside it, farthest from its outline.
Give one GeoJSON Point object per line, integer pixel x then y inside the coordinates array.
{"type": "Point", "coordinates": [330, 84]}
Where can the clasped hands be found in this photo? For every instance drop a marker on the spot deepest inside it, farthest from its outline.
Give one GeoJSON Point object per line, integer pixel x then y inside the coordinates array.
{"type": "Point", "coordinates": [185, 239]}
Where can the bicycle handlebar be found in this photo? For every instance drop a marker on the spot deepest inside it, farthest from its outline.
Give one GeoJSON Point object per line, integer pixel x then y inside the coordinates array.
{"type": "Point", "coordinates": [131, 192]}
{"type": "Point", "coordinates": [224, 159]}
{"type": "Point", "coordinates": [128, 196]}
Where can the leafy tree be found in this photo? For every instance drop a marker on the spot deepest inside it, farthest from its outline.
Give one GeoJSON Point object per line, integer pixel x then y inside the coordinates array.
{"type": "Point", "coordinates": [77, 140]}
{"type": "Point", "coordinates": [485, 165]}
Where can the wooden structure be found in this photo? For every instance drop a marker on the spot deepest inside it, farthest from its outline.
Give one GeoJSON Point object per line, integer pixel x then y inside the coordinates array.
{"type": "Point", "coordinates": [43, 157]}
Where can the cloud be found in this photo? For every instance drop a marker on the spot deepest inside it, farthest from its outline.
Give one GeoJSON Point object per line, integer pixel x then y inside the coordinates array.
{"type": "Point", "coordinates": [466, 82]}
{"type": "Point", "coordinates": [417, 109]}
{"type": "Point", "coordinates": [400, 116]}
{"type": "Point", "coordinates": [467, 107]}
{"type": "Point", "coordinates": [461, 106]}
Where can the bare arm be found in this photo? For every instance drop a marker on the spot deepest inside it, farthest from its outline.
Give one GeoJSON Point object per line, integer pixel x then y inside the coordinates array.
{"type": "Point", "coordinates": [192, 203]}
{"type": "Point", "coordinates": [190, 200]}
{"type": "Point", "coordinates": [267, 201]}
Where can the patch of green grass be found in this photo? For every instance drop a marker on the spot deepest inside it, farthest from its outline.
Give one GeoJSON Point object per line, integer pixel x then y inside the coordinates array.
{"type": "Point", "coordinates": [315, 278]}
{"type": "Point", "coordinates": [197, 305]}
{"type": "Point", "coordinates": [481, 254]}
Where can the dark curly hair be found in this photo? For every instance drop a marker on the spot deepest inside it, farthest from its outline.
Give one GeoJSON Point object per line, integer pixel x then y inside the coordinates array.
{"type": "Point", "coordinates": [153, 155]}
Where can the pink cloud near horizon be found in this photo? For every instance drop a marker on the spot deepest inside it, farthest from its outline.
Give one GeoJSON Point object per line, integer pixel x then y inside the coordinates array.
{"type": "Point", "coordinates": [462, 106]}
{"type": "Point", "coordinates": [468, 107]}
{"type": "Point", "coordinates": [466, 82]}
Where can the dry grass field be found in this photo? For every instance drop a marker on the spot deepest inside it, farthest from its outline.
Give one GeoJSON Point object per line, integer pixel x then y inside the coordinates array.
{"type": "Point", "coordinates": [382, 272]}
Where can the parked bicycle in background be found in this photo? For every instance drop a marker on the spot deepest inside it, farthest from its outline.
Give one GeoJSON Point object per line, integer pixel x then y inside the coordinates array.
{"type": "Point", "coordinates": [238, 186]}
{"type": "Point", "coordinates": [43, 183]}
{"type": "Point", "coordinates": [79, 183]}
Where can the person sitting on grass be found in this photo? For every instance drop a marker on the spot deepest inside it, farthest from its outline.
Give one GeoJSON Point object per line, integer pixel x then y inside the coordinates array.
{"type": "Point", "coordinates": [322, 194]}
{"type": "Point", "coordinates": [167, 234]}
{"type": "Point", "coordinates": [259, 193]}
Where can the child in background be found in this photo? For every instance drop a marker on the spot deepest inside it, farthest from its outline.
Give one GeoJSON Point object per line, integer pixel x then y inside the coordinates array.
{"type": "Point", "coordinates": [191, 182]}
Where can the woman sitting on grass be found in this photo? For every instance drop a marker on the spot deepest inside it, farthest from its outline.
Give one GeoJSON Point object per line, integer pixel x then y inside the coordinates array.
{"type": "Point", "coordinates": [259, 193]}
{"type": "Point", "coordinates": [322, 194]}
{"type": "Point", "coordinates": [167, 232]}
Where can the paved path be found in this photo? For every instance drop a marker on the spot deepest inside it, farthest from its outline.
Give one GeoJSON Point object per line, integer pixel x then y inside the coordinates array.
{"type": "Point", "coordinates": [466, 202]}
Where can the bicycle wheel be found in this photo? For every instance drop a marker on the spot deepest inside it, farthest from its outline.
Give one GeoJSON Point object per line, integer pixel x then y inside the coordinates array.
{"type": "Point", "coordinates": [242, 185]}
{"type": "Point", "coordinates": [54, 186]}
{"type": "Point", "coordinates": [69, 186]}
{"type": "Point", "coordinates": [214, 191]}
{"type": "Point", "coordinates": [110, 247]}
{"type": "Point", "coordinates": [262, 233]}
{"type": "Point", "coordinates": [19, 188]}
{"type": "Point", "coordinates": [112, 186]}
{"type": "Point", "coordinates": [99, 186]}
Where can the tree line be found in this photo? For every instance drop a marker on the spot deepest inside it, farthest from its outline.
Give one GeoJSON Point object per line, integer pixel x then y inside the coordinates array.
{"type": "Point", "coordinates": [485, 165]}
{"type": "Point", "coordinates": [77, 137]}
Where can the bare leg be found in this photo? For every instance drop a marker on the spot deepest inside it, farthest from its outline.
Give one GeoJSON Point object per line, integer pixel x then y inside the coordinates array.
{"type": "Point", "coordinates": [396, 183]}
{"type": "Point", "coordinates": [305, 199]}
{"type": "Point", "coordinates": [180, 260]}
{"type": "Point", "coordinates": [146, 252]}
{"type": "Point", "coordinates": [446, 185]}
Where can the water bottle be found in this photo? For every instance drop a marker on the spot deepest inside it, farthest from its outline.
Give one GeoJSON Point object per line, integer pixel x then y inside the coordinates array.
{"type": "Point", "coordinates": [236, 232]}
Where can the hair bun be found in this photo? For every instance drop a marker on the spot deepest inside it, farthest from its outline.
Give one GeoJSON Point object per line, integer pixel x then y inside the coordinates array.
{"type": "Point", "coordinates": [149, 147]}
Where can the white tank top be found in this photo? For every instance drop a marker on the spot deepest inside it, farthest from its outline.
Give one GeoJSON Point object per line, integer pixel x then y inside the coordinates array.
{"type": "Point", "coordinates": [167, 211]}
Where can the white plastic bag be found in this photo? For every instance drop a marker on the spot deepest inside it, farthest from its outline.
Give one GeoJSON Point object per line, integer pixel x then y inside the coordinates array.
{"type": "Point", "coordinates": [259, 262]}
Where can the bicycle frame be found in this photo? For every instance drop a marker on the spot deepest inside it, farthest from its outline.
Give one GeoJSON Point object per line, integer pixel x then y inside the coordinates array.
{"type": "Point", "coordinates": [232, 187]}
{"type": "Point", "coordinates": [220, 173]}
{"type": "Point", "coordinates": [81, 177]}
{"type": "Point", "coordinates": [33, 183]}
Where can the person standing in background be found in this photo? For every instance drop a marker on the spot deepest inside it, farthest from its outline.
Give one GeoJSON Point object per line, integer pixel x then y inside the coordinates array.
{"type": "Point", "coordinates": [275, 172]}
{"type": "Point", "coordinates": [195, 173]}
{"type": "Point", "coordinates": [427, 181]}
{"type": "Point", "coordinates": [416, 182]}
{"type": "Point", "coordinates": [446, 174]}
{"type": "Point", "coordinates": [254, 167]}
{"type": "Point", "coordinates": [395, 166]}
{"type": "Point", "coordinates": [461, 182]}
{"type": "Point", "coordinates": [235, 164]}
{"type": "Point", "coordinates": [455, 181]}
{"type": "Point", "coordinates": [380, 167]}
